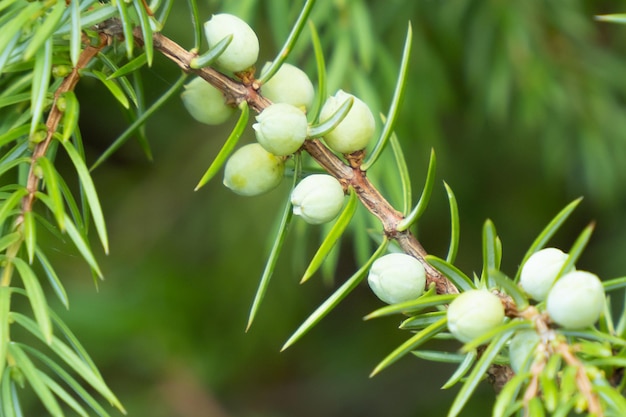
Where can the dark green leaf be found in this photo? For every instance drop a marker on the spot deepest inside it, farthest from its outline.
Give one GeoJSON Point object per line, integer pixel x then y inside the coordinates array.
{"type": "Point", "coordinates": [320, 96]}
{"type": "Point", "coordinates": [405, 178]}
{"type": "Point", "coordinates": [30, 234]}
{"type": "Point", "coordinates": [509, 287]}
{"type": "Point", "coordinates": [492, 251]}
{"type": "Point", "coordinates": [146, 31]}
{"type": "Point", "coordinates": [614, 284]}
{"type": "Point", "coordinates": [82, 245]}
{"type": "Point", "coordinates": [5, 307]}
{"type": "Point", "coordinates": [62, 394]}
{"type": "Point", "coordinates": [127, 28]}
{"type": "Point", "coordinates": [509, 393]}
{"type": "Point", "coordinates": [131, 66]}
{"type": "Point", "coordinates": [439, 356]}
{"type": "Point", "coordinates": [422, 320]}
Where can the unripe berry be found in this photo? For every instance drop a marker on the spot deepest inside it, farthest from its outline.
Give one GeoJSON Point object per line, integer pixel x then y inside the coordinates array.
{"type": "Point", "coordinates": [397, 277]}
{"type": "Point", "coordinates": [540, 271]}
{"type": "Point", "coordinates": [205, 103]}
{"type": "Point", "coordinates": [474, 313]}
{"type": "Point", "coordinates": [252, 170]}
{"type": "Point", "coordinates": [281, 128]}
{"type": "Point", "coordinates": [576, 300]}
{"type": "Point", "coordinates": [317, 198]}
{"type": "Point", "coordinates": [354, 132]}
{"type": "Point", "coordinates": [522, 349]}
{"type": "Point", "coordinates": [289, 85]}
{"type": "Point", "coordinates": [243, 50]}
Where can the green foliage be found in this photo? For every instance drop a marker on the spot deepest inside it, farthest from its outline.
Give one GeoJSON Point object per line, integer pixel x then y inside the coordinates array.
{"type": "Point", "coordinates": [528, 74]}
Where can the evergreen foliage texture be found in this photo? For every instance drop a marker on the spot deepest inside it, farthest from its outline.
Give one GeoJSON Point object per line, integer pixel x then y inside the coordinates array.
{"type": "Point", "coordinates": [118, 120]}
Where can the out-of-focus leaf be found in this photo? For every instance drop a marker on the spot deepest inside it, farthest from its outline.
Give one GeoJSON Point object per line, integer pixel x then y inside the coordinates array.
{"type": "Point", "coordinates": [7, 240]}
{"type": "Point", "coordinates": [505, 328]}
{"type": "Point", "coordinates": [229, 145]}
{"type": "Point", "coordinates": [422, 203]}
{"type": "Point", "coordinates": [89, 191]}
{"type": "Point", "coordinates": [547, 233]}
{"type": "Point", "coordinates": [36, 297]}
{"type": "Point", "coordinates": [413, 343]}
{"type": "Point", "coordinates": [74, 343]}
{"type": "Point", "coordinates": [28, 369]}
{"type": "Point", "coordinates": [13, 134]}
{"type": "Point", "coordinates": [332, 237]}
{"type": "Point", "coordinates": [140, 121]}
{"type": "Point", "coordinates": [71, 359]}
{"type": "Point", "coordinates": [332, 301]}
{"type": "Point", "coordinates": [7, 388]}
{"type": "Point", "coordinates": [89, 18]}
{"type": "Point", "coordinates": [613, 18]}
{"type": "Point", "coordinates": [474, 378]}
{"type": "Point", "coordinates": [461, 370]}
{"type": "Point", "coordinates": [454, 274]}
{"type": "Point", "coordinates": [197, 23]}
{"type": "Point", "coordinates": [614, 284]}
{"type": "Point", "coordinates": [15, 25]}
{"type": "Point", "coordinates": [44, 31]}
{"type": "Point", "coordinates": [508, 394]}
{"type": "Point", "coordinates": [10, 203]}
{"type": "Point", "coordinates": [593, 334]}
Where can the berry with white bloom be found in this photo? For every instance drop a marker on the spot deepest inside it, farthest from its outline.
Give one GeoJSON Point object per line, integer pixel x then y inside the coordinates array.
{"type": "Point", "coordinates": [205, 103]}
{"type": "Point", "coordinates": [289, 85]}
{"type": "Point", "coordinates": [318, 198]}
{"type": "Point", "coordinates": [355, 131]}
{"type": "Point", "coordinates": [474, 313]}
{"type": "Point", "coordinates": [397, 277]}
{"type": "Point", "coordinates": [576, 300]}
{"type": "Point", "coordinates": [281, 128]}
{"type": "Point", "coordinates": [251, 170]}
{"type": "Point", "coordinates": [243, 50]}
{"type": "Point", "coordinates": [540, 271]}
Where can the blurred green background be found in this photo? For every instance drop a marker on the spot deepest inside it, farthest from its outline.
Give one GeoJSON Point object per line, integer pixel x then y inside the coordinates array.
{"type": "Point", "coordinates": [524, 104]}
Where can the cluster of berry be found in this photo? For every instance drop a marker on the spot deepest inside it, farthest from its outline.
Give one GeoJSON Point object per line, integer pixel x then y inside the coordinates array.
{"type": "Point", "coordinates": [281, 128]}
